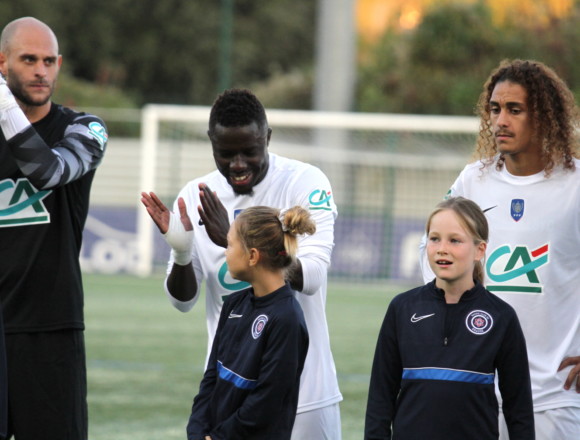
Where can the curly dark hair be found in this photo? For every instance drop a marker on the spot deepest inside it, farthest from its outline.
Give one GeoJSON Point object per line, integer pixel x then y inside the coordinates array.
{"type": "Point", "coordinates": [236, 108]}
{"type": "Point", "coordinates": [555, 116]}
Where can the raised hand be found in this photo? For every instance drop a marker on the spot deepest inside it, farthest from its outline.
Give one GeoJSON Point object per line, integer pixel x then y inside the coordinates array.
{"type": "Point", "coordinates": [177, 230]}
{"type": "Point", "coordinates": [156, 210]}
{"type": "Point", "coordinates": [214, 216]}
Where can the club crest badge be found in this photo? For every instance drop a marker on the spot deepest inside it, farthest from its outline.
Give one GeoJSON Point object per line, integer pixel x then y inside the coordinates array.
{"type": "Point", "coordinates": [517, 209]}
{"type": "Point", "coordinates": [479, 322]}
{"type": "Point", "coordinates": [258, 326]}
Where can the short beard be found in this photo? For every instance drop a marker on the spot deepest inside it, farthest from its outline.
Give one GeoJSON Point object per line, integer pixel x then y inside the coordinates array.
{"type": "Point", "coordinates": [17, 90]}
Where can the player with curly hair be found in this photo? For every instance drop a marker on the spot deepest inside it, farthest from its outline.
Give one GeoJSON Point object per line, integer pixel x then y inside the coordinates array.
{"type": "Point", "coordinates": [552, 110]}
{"type": "Point", "coordinates": [528, 182]}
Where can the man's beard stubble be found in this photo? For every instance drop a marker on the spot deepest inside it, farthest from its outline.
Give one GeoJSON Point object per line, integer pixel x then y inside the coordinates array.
{"type": "Point", "coordinates": [17, 89]}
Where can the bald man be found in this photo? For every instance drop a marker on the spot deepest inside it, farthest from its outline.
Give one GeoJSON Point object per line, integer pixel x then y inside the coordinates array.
{"type": "Point", "coordinates": [48, 157]}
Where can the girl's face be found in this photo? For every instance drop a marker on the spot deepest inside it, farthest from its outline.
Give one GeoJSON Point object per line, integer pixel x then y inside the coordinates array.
{"type": "Point", "coordinates": [451, 251]}
{"type": "Point", "coordinates": [237, 258]}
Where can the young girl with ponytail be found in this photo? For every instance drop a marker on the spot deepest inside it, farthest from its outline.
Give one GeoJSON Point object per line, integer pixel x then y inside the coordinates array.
{"type": "Point", "coordinates": [250, 387]}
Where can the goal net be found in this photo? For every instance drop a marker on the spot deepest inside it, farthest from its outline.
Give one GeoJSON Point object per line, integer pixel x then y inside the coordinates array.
{"type": "Point", "coordinates": [387, 173]}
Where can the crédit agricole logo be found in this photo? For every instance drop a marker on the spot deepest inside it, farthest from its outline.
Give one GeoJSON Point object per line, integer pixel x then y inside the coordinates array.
{"type": "Point", "coordinates": [320, 199]}
{"type": "Point", "coordinates": [516, 270]}
{"type": "Point", "coordinates": [21, 204]}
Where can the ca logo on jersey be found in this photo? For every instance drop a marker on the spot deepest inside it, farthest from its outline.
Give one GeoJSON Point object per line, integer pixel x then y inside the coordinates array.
{"type": "Point", "coordinates": [99, 133]}
{"type": "Point", "coordinates": [516, 269]}
{"type": "Point", "coordinates": [320, 199]}
{"type": "Point", "coordinates": [21, 204]}
{"type": "Point", "coordinates": [229, 283]}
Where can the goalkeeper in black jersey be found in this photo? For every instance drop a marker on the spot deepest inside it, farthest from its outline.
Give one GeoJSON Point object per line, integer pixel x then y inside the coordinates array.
{"type": "Point", "coordinates": [48, 157]}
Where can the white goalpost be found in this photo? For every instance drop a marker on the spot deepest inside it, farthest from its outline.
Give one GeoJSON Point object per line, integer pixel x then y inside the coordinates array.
{"type": "Point", "coordinates": [387, 172]}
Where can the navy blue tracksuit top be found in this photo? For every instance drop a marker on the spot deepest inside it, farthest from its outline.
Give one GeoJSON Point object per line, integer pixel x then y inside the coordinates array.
{"type": "Point", "coordinates": [435, 364]}
{"type": "Point", "coordinates": [250, 388]}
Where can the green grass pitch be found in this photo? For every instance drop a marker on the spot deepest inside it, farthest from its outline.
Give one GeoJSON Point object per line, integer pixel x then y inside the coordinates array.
{"type": "Point", "coordinates": [145, 359]}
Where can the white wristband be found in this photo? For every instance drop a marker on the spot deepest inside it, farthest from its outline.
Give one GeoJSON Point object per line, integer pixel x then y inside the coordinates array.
{"type": "Point", "coordinates": [181, 258]}
{"type": "Point", "coordinates": [180, 240]}
{"type": "Point", "coordinates": [7, 100]}
{"type": "Point", "coordinates": [13, 121]}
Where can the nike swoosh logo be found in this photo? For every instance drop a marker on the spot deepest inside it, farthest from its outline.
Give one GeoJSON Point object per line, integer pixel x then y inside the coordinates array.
{"type": "Point", "coordinates": [234, 315]}
{"type": "Point", "coordinates": [489, 209]}
{"type": "Point", "coordinates": [416, 318]}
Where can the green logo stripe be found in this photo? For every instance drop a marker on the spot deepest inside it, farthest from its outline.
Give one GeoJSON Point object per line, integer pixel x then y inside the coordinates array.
{"type": "Point", "coordinates": [23, 205]}
{"type": "Point", "coordinates": [20, 221]}
{"type": "Point", "coordinates": [522, 289]}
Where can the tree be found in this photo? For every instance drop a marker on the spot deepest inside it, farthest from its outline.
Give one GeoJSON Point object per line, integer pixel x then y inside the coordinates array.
{"type": "Point", "coordinates": [168, 51]}
{"type": "Point", "coordinates": [440, 66]}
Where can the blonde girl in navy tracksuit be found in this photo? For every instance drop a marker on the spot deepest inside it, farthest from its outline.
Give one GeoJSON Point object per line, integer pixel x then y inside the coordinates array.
{"type": "Point", "coordinates": [441, 345]}
{"type": "Point", "coordinates": [250, 387]}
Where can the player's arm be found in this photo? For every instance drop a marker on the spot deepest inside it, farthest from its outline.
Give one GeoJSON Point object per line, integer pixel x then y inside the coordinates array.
{"type": "Point", "coordinates": [385, 382]}
{"type": "Point", "coordinates": [181, 284]}
{"type": "Point", "coordinates": [48, 166]}
{"type": "Point", "coordinates": [312, 191]}
{"type": "Point", "coordinates": [295, 276]}
{"type": "Point", "coordinates": [177, 230]}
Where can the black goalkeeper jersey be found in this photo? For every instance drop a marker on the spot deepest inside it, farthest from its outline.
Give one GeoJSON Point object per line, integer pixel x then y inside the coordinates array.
{"type": "Point", "coordinates": [44, 200]}
{"type": "Point", "coordinates": [3, 384]}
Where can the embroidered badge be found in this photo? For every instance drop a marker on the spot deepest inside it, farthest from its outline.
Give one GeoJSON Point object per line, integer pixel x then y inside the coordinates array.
{"type": "Point", "coordinates": [479, 322]}
{"type": "Point", "coordinates": [517, 209]}
{"type": "Point", "coordinates": [258, 326]}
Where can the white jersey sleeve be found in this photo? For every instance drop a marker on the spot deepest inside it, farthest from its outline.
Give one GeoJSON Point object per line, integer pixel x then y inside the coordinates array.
{"type": "Point", "coordinates": [311, 190]}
